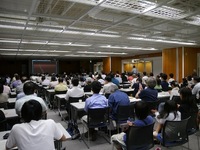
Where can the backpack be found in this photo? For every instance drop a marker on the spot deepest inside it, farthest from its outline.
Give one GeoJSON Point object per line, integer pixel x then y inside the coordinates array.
{"type": "Point", "coordinates": [73, 130]}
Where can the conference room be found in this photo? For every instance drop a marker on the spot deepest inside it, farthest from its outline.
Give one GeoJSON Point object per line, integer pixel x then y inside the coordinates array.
{"type": "Point", "coordinates": [66, 37]}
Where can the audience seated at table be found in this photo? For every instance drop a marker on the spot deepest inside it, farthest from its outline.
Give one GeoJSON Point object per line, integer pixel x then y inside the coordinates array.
{"type": "Point", "coordinates": [170, 112]}
{"type": "Point", "coordinates": [29, 89]}
{"type": "Point", "coordinates": [148, 94]}
{"type": "Point", "coordinates": [34, 133]}
{"type": "Point", "coordinates": [196, 88]}
{"type": "Point", "coordinates": [75, 91]}
{"type": "Point", "coordinates": [107, 88]}
{"type": "Point", "coordinates": [137, 85]}
{"type": "Point", "coordinates": [88, 86]}
{"type": "Point", "coordinates": [19, 88]}
{"type": "Point", "coordinates": [3, 98]}
{"type": "Point", "coordinates": [60, 86]}
{"type": "Point", "coordinates": [171, 78]}
{"type": "Point", "coordinates": [115, 99]}
{"type": "Point", "coordinates": [45, 81]}
{"type": "Point", "coordinates": [53, 82]}
{"type": "Point", "coordinates": [188, 104]}
{"type": "Point", "coordinates": [95, 101]}
{"type": "Point", "coordinates": [142, 119]}
{"type": "Point", "coordinates": [164, 83]}
{"type": "Point", "coordinates": [16, 81]}
{"type": "Point", "coordinates": [158, 86]}
{"type": "Point", "coordinates": [6, 88]}
{"type": "Point", "coordinates": [175, 89]}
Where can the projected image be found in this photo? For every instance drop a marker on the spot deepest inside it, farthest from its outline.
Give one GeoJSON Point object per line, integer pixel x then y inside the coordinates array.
{"type": "Point", "coordinates": [44, 66]}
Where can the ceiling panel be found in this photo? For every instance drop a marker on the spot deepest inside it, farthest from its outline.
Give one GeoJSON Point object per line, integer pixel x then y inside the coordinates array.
{"type": "Point", "coordinates": [96, 28]}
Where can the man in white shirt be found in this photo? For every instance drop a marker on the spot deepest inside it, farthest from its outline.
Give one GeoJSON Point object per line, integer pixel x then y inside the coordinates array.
{"type": "Point", "coordinates": [29, 89]}
{"type": "Point", "coordinates": [196, 88]}
{"type": "Point", "coordinates": [75, 91]}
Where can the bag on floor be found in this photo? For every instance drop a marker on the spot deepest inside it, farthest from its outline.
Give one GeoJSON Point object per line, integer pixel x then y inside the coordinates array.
{"type": "Point", "coordinates": [73, 130]}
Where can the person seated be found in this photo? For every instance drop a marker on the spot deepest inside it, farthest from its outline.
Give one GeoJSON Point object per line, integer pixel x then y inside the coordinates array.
{"type": "Point", "coordinates": [158, 86]}
{"type": "Point", "coordinates": [171, 75]}
{"type": "Point", "coordinates": [164, 83]}
{"type": "Point", "coordinates": [34, 133]}
{"type": "Point", "coordinates": [6, 88]}
{"type": "Point", "coordinates": [170, 112]}
{"type": "Point", "coordinates": [45, 81]}
{"type": "Point", "coordinates": [75, 91]}
{"type": "Point", "coordinates": [115, 99]}
{"type": "Point", "coordinates": [95, 101]}
{"type": "Point", "coordinates": [19, 88]}
{"type": "Point", "coordinates": [137, 85]}
{"type": "Point", "coordinates": [175, 89]}
{"type": "Point", "coordinates": [107, 88]}
{"type": "Point", "coordinates": [148, 94]}
{"type": "Point", "coordinates": [142, 119]}
{"type": "Point", "coordinates": [16, 82]}
{"type": "Point", "coordinates": [3, 98]}
{"type": "Point", "coordinates": [188, 104]}
{"type": "Point", "coordinates": [88, 87]}
{"type": "Point", "coordinates": [53, 82]}
{"type": "Point", "coordinates": [60, 86]}
{"type": "Point", "coordinates": [29, 91]}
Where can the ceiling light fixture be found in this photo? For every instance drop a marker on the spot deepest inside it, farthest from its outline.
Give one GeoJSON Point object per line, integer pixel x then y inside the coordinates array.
{"type": "Point", "coordinates": [162, 41]}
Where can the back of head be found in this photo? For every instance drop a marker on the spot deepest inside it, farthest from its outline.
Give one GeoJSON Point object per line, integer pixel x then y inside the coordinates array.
{"type": "Point", "coordinates": [164, 76]}
{"type": "Point", "coordinates": [171, 75]}
{"type": "Point", "coordinates": [170, 106]}
{"type": "Point", "coordinates": [75, 81]}
{"type": "Point", "coordinates": [24, 79]}
{"type": "Point", "coordinates": [114, 88]}
{"type": "Point", "coordinates": [29, 88]}
{"type": "Point", "coordinates": [196, 79]}
{"type": "Point", "coordinates": [174, 83]}
{"type": "Point", "coordinates": [185, 92]}
{"type": "Point", "coordinates": [31, 110]}
{"type": "Point", "coordinates": [53, 78]}
{"type": "Point", "coordinates": [144, 73]}
{"type": "Point", "coordinates": [96, 87]}
{"type": "Point", "coordinates": [141, 110]}
{"type": "Point", "coordinates": [60, 80]}
{"type": "Point", "coordinates": [108, 78]}
{"type": "Point", "coordinates": [158, 81]}
{"type": "Point", "coordinates": [151, 82]}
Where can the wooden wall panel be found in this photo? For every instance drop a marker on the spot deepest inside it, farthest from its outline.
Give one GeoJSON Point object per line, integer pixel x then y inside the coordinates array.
{"type": "Point", "coordinates": [128, 67]}
{"type": "Point", "coordinates": [116, 64]}
{"type": "Point", "coordinates": [106, 64]}
{"type": "Point", "coordinates": [180, 64]}
{"type": "Point", "coordinates": [148, 67]}
{"type": "Point", "coordinates": [169, 61]}
{"type": "Point", "coordinates": [190, 60]}
{"type": "Point", "coordinates": [140, 66]}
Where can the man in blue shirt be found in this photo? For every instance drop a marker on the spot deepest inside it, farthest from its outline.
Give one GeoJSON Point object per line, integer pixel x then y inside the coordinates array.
{"type": "Point", "coordinates": [95, 101]}
{"type": "Point", "coordinates": [115, 99]}
{"type": "Point", "coordinates": [149, 94]}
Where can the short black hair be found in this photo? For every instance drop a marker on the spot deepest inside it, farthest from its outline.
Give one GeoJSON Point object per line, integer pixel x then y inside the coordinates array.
{"type": "Point", "coordinates": [141, 110]}
{"type": "Point", "coordinates": [31, 110]}
{"type": "Point", "coordinates": [164, 76]}
{"type": "Point", "coordinates": [29, 88]}
{"type": "Point", "coordinates": [60, 79]}
{"type": "Point", "coordinates": [96, 86]}
{"type": "Point", "coordinates": [75, 81]}
{"type": "Point", "coordinates": [171, 75]}
{"type": "Point", "coordinates": [108, 78]}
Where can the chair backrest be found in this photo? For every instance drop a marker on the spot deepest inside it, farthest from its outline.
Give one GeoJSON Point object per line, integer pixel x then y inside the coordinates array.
{"type": "Point", "coordinates": [4, 105]}
{"type": "Point", "coordinates": [175, 132]}
{"type": "Point", "coordinates": [123, 113]}
{"type": "Point", "coordinates": [192, 125]}
{"type": "Point", "coordinates": [98, 117]}
{"type": "Point", "coordinates": [140, 137]}
{"type": "Point", "coordinates": [60, 92]}
{"type": "Point", "coordinates": [75, 99]}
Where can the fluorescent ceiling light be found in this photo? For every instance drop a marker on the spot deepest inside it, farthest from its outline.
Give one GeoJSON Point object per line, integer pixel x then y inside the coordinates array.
{"type": "Point", "coordinates": [161, 41]}
{"type": "Point", "coordinates": [10, 54]}
{"type": "Point", "coordinates": [9, 41]}
{"type": "Point", "coordinates": [11, 27]}
{"type": "Point", "coordinates": [2, 49]}
{"type": "Point", "coordinates": [125, 47]}
{"type": "Point", "coordinates": [72, 55]}
{"type": "Point", "coordinates": [100, 53]}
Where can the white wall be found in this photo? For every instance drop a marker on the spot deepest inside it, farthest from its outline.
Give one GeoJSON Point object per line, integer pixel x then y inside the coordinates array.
{"type": "Point", "coordinates": [156, 64]}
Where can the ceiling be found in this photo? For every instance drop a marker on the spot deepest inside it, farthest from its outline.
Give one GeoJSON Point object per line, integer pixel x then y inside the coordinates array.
{"type": "Point", "coordinates": [63, 29]}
